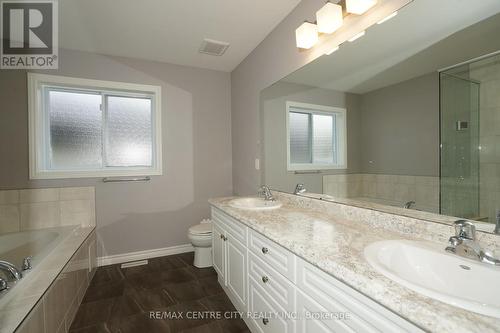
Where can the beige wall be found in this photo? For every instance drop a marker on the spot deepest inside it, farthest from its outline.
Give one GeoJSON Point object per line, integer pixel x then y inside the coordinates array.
{"type": "Point", "coordinates": [274, 58]}
{"type": "Point", "coordinates": [400, 128]}
{"type": "Point", "coordinates": [273, 115]}
{"type": "Point", "coordinates": [196, 150]}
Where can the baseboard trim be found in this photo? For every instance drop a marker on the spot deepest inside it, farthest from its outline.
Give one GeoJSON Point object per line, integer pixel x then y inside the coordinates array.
{"type": "Point", "coordinates": [141, 255]}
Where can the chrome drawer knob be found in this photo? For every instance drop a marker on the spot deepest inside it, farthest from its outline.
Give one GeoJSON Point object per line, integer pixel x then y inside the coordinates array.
{"type": "Point", "coordinates": [265, 279]}
{"type": "Point", "coordinates": [265, 250]}
{"type": "Point", "coordinates": [265, 321]}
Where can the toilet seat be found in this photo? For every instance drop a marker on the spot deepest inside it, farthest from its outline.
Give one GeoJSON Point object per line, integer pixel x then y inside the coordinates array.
{"type": "Point", "coordinates": [202, 229]}
{"type": "Point", "coordinates": [200, 236]}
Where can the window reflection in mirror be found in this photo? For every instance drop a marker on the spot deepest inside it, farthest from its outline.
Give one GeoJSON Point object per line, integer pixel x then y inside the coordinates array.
{"type": "Point", "coordinates": [418, 135]}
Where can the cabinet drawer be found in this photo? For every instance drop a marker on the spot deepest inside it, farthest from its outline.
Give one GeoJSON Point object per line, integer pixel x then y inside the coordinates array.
{"type": "Point", "coordinates": [283, 261]}
{"type": "Point", "coordinates": [262, 304]}
{"type": "Point", "coordinates": [335, 296]}
{"type": "Point", "coordinates": [311, 323]}
{"type": "Point", "coordinates": [230, 225]}
{"type": "Point", "coordinates": [276, 285]}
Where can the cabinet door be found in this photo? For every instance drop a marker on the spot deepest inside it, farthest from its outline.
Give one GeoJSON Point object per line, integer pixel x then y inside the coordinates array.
{"type": "Point", "coordinates": [309, 310]}
{"type": "Point", "coordinates": [333, 296]}
{"type": "Point", "coordinates": [236, 270]}
{"type": "Point", "coordinates": [218, 251]}
{"type": "Point", "coordinates": [270, 317]}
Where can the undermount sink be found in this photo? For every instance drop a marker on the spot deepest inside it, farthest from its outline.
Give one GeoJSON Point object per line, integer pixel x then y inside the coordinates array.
{"type": "Point", "coordinates": [254, 204]}
{"type": "Point", "coordinates": [428, 269]}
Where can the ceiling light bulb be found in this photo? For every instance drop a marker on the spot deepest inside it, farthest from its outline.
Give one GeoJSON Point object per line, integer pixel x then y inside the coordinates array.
{"type": "Point", "coordinates": [359, 7]}
{"type": "Point", "coordinates": [387, 18]}
{"type": "Point", "coordinates": [353, 38]}
{"type": "Point", "coordinates": [306, 35]}
{"type": "Point", "coordinates": [333, 49]}
{"type": "Point", "coordinates": [329, 18]}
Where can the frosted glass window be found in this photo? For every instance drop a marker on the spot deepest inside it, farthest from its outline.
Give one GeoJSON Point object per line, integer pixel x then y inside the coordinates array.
{"type": "Point", "coordinates": [323, 139]}
{"type": "Point", "coordinates": [75, 130]}
{"type": "Point", "coordinates": [128, 131]}
{"type": "Point", "coordinates": [300, 137]}
{"type": "Point", "coordinates": [91, 128]}
{"type": "Point", "coordinates": [316, 137]}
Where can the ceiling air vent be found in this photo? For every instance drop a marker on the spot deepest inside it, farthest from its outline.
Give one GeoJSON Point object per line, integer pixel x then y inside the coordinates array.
{"type": "Point", "coordinates": [213, 47]}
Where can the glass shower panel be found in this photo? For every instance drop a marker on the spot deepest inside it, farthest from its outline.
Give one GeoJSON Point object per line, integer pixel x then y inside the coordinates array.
{"type": "Point", "coordinates": [459, 181]}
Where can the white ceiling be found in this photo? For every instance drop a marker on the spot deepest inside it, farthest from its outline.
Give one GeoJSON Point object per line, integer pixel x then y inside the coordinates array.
{"type": "Point", "coordinates": [170, 30]}
{"type": "Point", "coordinates": [411, 44]}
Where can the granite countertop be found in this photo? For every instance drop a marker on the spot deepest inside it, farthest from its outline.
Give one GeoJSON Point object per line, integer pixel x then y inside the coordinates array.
{"type": "Point", "coordinates": [335, 244]}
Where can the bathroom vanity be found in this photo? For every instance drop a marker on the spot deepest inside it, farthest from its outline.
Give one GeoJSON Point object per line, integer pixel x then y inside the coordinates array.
{"type": "Point", "coordinates": [302, 268]}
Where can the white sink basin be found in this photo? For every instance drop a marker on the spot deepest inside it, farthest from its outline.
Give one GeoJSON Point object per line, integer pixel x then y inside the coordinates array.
{"type": "Point", "coordinates": [428, 269]}
{"type": "Point", "coordinates": [254, 204]}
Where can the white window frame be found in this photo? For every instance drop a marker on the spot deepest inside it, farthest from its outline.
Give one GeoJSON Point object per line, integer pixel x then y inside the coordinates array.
{"type": "Point", "coordinates": [341, 130]}
{"type": "Point", "coordinates": [38, 136]}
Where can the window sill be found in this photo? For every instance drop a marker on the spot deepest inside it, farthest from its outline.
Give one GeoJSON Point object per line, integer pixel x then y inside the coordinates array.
{"type": "Point", "coordinates": [95, 174]}
{"type": "Point", "coordinates": [312, 167]}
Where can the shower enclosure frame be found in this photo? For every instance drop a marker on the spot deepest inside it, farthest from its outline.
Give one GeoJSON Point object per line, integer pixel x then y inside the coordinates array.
{"type": "Point", "coordinates": [477, 185]}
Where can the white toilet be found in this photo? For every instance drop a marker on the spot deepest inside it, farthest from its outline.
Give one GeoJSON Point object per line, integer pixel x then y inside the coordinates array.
{"type": "Point", "coordinates": [200, 236]}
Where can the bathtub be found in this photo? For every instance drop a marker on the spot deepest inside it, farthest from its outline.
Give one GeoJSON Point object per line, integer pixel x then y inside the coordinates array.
{"type": "Point", "coordinates": [16, 246]}
{"type": "Point", "coordinates": [63, 264]}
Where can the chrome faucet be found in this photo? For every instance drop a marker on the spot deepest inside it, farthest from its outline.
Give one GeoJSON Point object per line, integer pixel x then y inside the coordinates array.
{"type": "Point", "coordinates": [299, 189]}
{"type": "Point", "coordinates": [3, 285]}
{"type": "Point", "coordinates": [408, 204]}
{"type": "Point", "coordinates": [464, 244]}
{"type": "Point", "coordinates": [27, 263]}
{"type": "Point", "coordinates": [266, 193]}
{"type": "Point", "coordinates": [11, 269]}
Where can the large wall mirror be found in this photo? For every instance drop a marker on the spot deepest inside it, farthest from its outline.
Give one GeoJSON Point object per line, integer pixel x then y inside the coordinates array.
{"type": "Point", "coordinates": [409, 128]}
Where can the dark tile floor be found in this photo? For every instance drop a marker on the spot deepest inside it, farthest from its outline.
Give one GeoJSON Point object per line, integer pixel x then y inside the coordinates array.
{"type": "Point", "coordinates": [122, 300]}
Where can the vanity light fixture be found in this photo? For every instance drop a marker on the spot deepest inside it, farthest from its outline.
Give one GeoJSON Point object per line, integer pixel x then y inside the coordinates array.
{"type": "Point", "coordinates": [306, 35]}
{"type": "Point", "coordinates": [336, 48]}
{"type": "Point", "coordinates": [353, 38]}
{"type": "Point", "coordinates": [359, 7]}
{"type": "Point", "coordinates": [387, 18]}
{"type": "Point", "coordinates": [329, 18]}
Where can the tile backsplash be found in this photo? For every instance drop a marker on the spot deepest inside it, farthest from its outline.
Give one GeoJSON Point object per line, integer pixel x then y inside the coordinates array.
{"type": "Point", "coordinates": [46, 207]}
{"type": "Point", "coordinates": [393, 190]}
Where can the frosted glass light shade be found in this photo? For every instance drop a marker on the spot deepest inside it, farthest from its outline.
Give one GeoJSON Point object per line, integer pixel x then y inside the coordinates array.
{"type": "Point", "coordinates": [306, 35]}
{"type": "Point", "coordinates": [329, 18]}
{"type": "Point", "coordinates": [387, 18]}
{"type": "Point", "coordinates": [333, 49]}
{"type": "Point", "coordinates": [357, 36]}
{"type": "Point", "coordinates": [359, 7]}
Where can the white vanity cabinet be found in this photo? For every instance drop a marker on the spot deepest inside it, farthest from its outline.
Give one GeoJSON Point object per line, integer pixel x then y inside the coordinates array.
{"type": "Point", "coordinates": [318, 294]}
{"type": "Point", "coordinates": [230, 257]}
{"type": "Point", "coordinates": [218, 250]}
{"type": "Point", "coordinates": [285, 294]}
